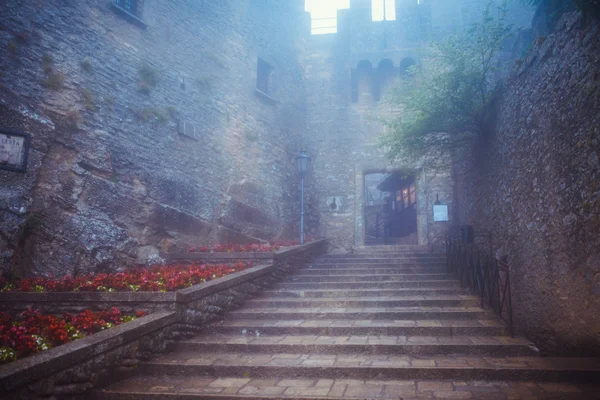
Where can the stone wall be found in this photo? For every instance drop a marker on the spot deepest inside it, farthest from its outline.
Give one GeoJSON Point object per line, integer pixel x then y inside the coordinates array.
{"type": "Point", "coordinates": [535, 184]}
{"type": "Point", "coordinates": [344, 126]}
{"type": "Point", "coordinates": [111, 181]}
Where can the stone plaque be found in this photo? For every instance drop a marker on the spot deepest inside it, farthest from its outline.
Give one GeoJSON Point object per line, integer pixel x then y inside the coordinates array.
{"type": "Point", "coordinates": [14, 149]}
{"type": "Point", "coordinates": [440, 212]}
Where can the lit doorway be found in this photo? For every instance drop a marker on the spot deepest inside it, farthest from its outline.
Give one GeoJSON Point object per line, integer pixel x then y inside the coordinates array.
{"type": "Point", "coordinates": [390, 209]}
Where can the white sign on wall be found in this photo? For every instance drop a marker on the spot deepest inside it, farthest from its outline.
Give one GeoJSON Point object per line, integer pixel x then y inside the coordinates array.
{"type": "Point", "coordinates": [440, 212]}
{"type": "Point", "coordinates": [14, 148]}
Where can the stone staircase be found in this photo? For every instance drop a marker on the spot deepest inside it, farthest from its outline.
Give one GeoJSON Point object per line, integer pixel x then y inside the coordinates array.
{"type": "Point", "coordinates": [387, 323]}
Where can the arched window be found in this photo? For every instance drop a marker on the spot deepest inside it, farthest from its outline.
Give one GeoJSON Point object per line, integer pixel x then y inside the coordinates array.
{"type": "Point", "coordinates": [362, 82]}
{"type": "Point", "coordinates": [406, 64]}
{"type": "Point", "coordinates": [386, 73]}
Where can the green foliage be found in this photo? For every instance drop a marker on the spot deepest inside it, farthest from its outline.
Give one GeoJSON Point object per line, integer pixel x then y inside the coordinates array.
{"type": "Point", "coordinates": [203, 82]}
{"type": "Point", "coordinates": [87, 66]}
{"type": "Point", "coordinates": [147, 114]}
{"type": "Point", "coordinates": [23, 38]}
{"type": "Point", "coordinates": [12, 48]}
{"type": "Point", "coordinates": [148, 78]}
{"type": "Point", "coordinates": [74, 117]}
{"type": "Point", "coordinates": [47, 62]}
{"type": "Point", "coordinates": [451, 92]}
{"type": "Point", "coordinates": [89, 99]}
{"type": "Point", "coordinates": [55, 80]}
{"type": "Point", "coordinates": [7, 355]}
{"type": "Point", "coordinates": [110, 101]}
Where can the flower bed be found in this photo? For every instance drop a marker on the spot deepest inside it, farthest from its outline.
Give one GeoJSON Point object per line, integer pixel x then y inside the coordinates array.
{"type": "Point", "coordinates": [156, 279]}
{"type": "Point", "coordinates": [31, 332]}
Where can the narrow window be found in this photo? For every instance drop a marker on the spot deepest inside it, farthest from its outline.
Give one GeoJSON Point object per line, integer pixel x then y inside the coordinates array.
{"type": "Point", "coordinates": [263, 76]}
{"type": "Point", "coordinates": [324, 14]}
{"type": "Point", "coordinates": [383, 10]}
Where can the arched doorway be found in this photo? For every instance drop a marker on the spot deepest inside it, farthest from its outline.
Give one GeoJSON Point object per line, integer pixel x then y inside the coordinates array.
{"type": "Point", "coordinates": [390, 209]}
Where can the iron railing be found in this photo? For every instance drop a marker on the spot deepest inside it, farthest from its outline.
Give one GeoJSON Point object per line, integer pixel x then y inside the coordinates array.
{"type": "Point", "coordinates": [483, 274]}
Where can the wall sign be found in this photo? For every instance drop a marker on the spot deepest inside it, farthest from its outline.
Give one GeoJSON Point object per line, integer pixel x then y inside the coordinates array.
{"type": "Point", "coordinates": [440, 212]}
{"type": "Point", "coordinates": [14, 149]}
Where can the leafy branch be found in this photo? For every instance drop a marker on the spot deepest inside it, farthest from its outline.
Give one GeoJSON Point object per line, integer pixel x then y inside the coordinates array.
{"type": "Point", "coordinates": [446, 102]}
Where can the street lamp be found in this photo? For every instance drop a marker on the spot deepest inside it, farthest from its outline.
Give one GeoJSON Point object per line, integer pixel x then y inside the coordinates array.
{"type": "Point", "coordinates": [302, 162]}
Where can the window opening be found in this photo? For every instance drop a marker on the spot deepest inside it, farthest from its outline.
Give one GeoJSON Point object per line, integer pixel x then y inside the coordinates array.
{"type": "Point", "coordinates": [383, 10]}
{"type": "Point", "coordinates": [263, 76]}
{"type": "Point", "coordinates": [323, 14]}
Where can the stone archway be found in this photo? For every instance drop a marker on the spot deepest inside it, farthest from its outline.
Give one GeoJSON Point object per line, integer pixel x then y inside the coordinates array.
{"type": "Point", "coordinates": [361, 201]}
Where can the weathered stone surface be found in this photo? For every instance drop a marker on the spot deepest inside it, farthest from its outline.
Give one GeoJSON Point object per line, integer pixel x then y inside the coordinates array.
{"type": "Point", "coordinates": [109, 176]}
{"type": "Point", "coordinates": [534, 185]}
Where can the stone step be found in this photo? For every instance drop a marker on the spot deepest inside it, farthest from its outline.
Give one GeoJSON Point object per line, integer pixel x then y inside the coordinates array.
{"type": "Point", "coordinates": [364, 313]}
{"type": "Point", "coordinates": [367, 284]}
{"type": "Point", "coordinates": [368, 277]}
{"type": "Point", "coordinates": [211, 387]}
{"type": "Point", "coordinates": [387, 302]}
{"type": "Point", "coordinates": [371, 366]}
{"type": "Point", "coordinates": [336, 293]}
{"type": "Point", "coordinates": [362, 328]}
{"type": "Point", "coordinates": [380, 261]}
{"type": "Point", "coordinates": [312, 270]}
{"type": "Point", "coordinates": [380, 255]}
{"type": "Point", "coordinates": [501, 346]}
{"type": "Point", "coordinates": [399, 266]}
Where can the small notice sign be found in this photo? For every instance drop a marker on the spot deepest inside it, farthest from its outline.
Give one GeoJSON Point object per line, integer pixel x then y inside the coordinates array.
{"type": "Point", "coordinates": [440, 212]}
{"type": "Point", "coordinates": [14, 149]}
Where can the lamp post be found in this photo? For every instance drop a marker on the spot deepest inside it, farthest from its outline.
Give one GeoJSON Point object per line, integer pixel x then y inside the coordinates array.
{"type": "Point", "coordinates": [302, 162]}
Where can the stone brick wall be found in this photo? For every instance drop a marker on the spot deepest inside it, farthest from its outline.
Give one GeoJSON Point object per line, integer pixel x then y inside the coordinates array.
{"type": "Point", "coordinates": [343, 135]}
{"type": "Point", "coordinates": [534, 183]}
{"type": "Point", "coordinates": [110, 180]}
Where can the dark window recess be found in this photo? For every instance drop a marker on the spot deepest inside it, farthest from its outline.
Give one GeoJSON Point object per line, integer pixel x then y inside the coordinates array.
{"type": "Point", "coordinates": [263, 76]}
{"type": "Point", "coordinates": [131, 9]}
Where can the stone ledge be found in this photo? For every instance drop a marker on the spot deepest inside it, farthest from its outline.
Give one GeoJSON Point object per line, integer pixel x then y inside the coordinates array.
{"type": "Point", "coordinates": [87, 297]}
{"type": "Point", "coordinates": [41, 365]}
{"type": "Point", "coordinates": [205, 289]}
{"type": "Point", "coordinates": [242, 256]}
{"type": "Point", "coordinates": [298, 249]}
{"type": "Point", "coordinates": [182, 256]}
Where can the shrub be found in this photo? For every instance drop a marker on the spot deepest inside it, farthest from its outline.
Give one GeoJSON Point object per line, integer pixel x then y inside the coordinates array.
{"type": "Point", "coordinates": [55, 80]}
{"type": "Point", "coordinates": [148, 78]}
{"type": "Point", "coordinates": [86, 65]}
{"type": "Point", "coordinates": [89, 99]}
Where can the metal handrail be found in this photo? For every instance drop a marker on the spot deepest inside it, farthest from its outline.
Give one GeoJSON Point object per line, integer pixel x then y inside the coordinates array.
{"type": "Point", "coordinates": [485, 275]}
